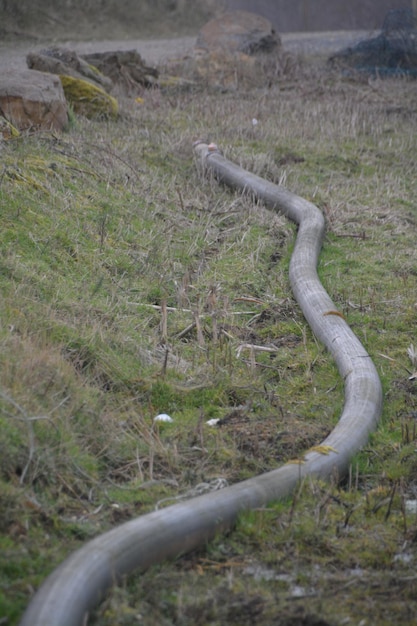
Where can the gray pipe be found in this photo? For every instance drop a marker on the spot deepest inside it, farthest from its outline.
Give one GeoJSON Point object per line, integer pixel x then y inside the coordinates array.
{"type": "Point", "coordinates": [79, 583]}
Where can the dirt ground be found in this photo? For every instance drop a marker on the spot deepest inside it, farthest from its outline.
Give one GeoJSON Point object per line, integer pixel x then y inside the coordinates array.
{"type": "Point", "coordinates": [156, 51]}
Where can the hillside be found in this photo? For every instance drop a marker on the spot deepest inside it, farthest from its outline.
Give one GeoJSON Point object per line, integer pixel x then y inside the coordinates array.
{"type": "Point", "coordinates": [133, 286]}
{"type": "Point", "coordinates": [59, 19]}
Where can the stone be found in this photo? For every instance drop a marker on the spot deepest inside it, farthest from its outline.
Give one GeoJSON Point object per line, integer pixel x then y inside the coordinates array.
{"type": "Point", "coordinates": [120, 71]}
{"type": "Point", "coordinates": [392, 52]}
{"type": "Point", "coordinates": [239, 31]}
{"type": "Point", "coordinates": [32, 100]}
{"type": "Point", "coordinates": [85, 87]}
{"type": "Point", "coordinates": [88, 99]}
{"type": "Point", "coordinates": [226, 70]}
{"type": "Point", "coordinates": [231, 50]}
{"type": "Point", "coordinates": [239, 50]}
{"type": "Point", "coordinates": [63, 61]}
{"type": "Point", "coordinates": [125, 68]}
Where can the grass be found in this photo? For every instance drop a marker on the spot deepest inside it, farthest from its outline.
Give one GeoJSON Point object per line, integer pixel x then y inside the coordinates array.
{"type": "Point", "coordinates": [81, 21]}
{"type": "Point", "coordinates": [131, 286]}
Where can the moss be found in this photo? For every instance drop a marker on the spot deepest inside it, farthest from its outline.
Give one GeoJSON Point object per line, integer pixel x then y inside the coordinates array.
{"type": "Point", "coordinates": [87, 99]}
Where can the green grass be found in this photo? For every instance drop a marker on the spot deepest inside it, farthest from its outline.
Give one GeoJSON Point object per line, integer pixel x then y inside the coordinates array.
{"type": "Point", "coordinates": [105, 226]}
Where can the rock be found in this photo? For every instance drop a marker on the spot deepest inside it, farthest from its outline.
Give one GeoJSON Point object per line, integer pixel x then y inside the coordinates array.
{"type": "Point", "coordinates": [84, 85]}
{"type": "Point", "coordinates": [125, 68]}
{"type": "Point", "coordinates": [239, 31]}
{"type": "Point", "coordinates": [63, 61]}
{"type": "Point", "coordinates": [384, 55]}
{"type": "Point", "coordinates": [88, 99]}
{"type": "Point", "coordinates": [226, 70]}
{"type": "Point", "coordinates": [231, 50]}
{"type": "Point", "coordinates": [33, 100]}
{"type": "Point", "coordinates": [122, 70]}
{"type": "Point", "coordinates": [401, 20]}
{"type": "Point", "coordinates": [392, 52]}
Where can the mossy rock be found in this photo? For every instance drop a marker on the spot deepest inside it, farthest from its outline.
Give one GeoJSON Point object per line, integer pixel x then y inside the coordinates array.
{"type": "Point", "coordinates": [87, 99]}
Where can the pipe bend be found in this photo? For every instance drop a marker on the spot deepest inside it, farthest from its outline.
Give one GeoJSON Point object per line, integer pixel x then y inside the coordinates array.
{"type": "Point", "coordinates": [78, 584]}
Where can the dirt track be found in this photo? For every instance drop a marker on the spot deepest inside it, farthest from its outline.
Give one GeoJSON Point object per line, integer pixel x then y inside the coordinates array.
{"type": "Point", "coordinates": [155, 51]}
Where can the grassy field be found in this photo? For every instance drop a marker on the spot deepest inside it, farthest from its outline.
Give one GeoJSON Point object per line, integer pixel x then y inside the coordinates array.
{"type": "Point", "coordinates": [132, 286]}
{"type": "Point", "coordinates": [115, 19]}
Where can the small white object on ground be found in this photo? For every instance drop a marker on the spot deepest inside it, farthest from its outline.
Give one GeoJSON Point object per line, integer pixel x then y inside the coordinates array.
{"type": "Point", "coordinates": [411, 506]}
{"type": "Point", "coordinates": [163, 417]}
{"type": "Point", "coordinates": [213, 422]}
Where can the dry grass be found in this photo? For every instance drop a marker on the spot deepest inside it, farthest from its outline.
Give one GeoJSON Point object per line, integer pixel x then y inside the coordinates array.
{"type": "Point", "coordinates": [132, 286]}
{"type": "Point", "coordinates": [87, 20]}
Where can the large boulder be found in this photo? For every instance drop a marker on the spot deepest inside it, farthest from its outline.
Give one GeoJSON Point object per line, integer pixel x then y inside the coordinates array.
{"type": "Point", "coordinates": [85, 87]}
{"type": "Point", "coordinates": [63, 61]}
{"type": "Point", "coordinates": [392, 52]}
{"type": "Point", "coordinates": [125, 68]}
{"type": "Point", "coordinates": [227, 70]}
{"type": "Point", "coordinates": [32, 100]}
{"type": "Point", "coordinates": [120, 71]}
{"type": "Point", "coordinates": [233, 50]}
{"type": "Point", "coordinates": [238, 31]}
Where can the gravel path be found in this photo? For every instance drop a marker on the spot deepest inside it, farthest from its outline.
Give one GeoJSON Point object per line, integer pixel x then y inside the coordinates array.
{"type": "Point", "coordinates": [154, 51]}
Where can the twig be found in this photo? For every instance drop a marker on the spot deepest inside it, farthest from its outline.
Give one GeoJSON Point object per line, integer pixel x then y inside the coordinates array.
{"type": "Point", "coordinates": [151, 460]}
{"type": "Point", "coordinates": [165, 363]}
{"type": "Point", "coordinates": [164, 321]}
{"type": "Point", "coordinates": [31, 452]}
{"type": "Point", "coordinates": [200, 336]}
{"type": "Point", "coordinates": [158, 307]}
{"type": "Point", "coordinates": [361, 235]}
{"type": "Point", "coordinates": [254, 348]}
{"type": "Point", "coordinates": [178, 190]}
{"type": "Point", "coordinates": [388, 511]}
{"type": "Point", "coordinates": [32, 418]}
{"type": "Point", "coordinates": [28, 421]}
{"type": "Point", "coordinates": [139, 465]}
{"type": "Point", "coordinates": [186, 331]}
{"type": "Point", "coordinates": [249, 299]}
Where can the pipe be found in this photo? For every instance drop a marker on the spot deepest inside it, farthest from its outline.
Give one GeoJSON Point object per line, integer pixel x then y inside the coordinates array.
{"type": "Point", "coordinates": [79, 583]}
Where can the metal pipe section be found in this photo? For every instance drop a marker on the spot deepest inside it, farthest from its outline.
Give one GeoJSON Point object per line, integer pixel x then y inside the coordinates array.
{"type": "Point", "coordinates": [79, 583]}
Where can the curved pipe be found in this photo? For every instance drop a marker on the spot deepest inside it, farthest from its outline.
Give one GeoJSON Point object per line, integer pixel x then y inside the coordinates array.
{"type": "Point", "coordinates": [78, 584]}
